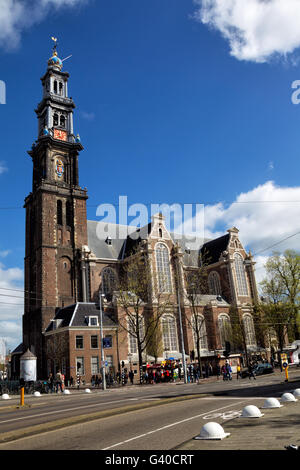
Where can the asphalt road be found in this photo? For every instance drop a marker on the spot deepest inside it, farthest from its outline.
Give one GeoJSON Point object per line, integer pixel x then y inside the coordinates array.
{"type": "Point", "coordinates": [161, 417]}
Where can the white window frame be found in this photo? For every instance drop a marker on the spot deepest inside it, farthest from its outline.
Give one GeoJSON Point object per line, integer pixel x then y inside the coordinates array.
{"type": "Point", "coordinates": [163, 268]}
{"type": "Point", "coordinates": [170, 337]}
{"type": "Point", "coordinates": [240, 275]}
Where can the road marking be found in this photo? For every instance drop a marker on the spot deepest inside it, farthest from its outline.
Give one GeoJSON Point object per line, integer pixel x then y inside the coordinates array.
{"type": "Point", "coordinates": [166, 427]}
{"type": "Point", "coordinates": [67, 409]}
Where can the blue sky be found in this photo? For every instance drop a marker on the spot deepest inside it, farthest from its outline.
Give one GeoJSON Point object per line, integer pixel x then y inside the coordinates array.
{"type": "Point", "coordinates": [169, 110]}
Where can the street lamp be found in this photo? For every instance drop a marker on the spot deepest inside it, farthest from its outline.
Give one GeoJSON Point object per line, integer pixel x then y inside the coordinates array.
{"type": "Point", "coordinates": [101, 296]}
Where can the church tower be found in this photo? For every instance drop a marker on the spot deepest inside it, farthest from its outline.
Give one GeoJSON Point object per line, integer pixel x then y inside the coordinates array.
{"type": "Point", "coordinates": [56, 226]}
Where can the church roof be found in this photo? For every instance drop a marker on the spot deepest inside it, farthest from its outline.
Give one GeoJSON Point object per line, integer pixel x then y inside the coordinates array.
{"type": "Point", "coordinates": [213, 249]}
{"type": "Point", "coordinates": [114, 242]}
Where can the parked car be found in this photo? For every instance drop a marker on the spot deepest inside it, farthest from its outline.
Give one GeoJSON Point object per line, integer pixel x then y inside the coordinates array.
{"type": "Point", "coordinates": [258, 369]}
{"type": "Point", "coordinates": [264, 368]}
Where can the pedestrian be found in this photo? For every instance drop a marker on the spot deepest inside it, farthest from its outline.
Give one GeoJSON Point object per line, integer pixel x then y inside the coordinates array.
{"type": "Point", "coordinates": [224, 372]}
{"type": "Point", "coordinates": [58, 381]}
{"type": "Point", "coordinates": [179, 373]}
{"type": "Point", "coordinates": [229, 371]}
{"type": "Point", "coordinates": [131, 376]}
{"type": "Point", "coordinates": [251, 372]}
{"type": "Point", "coordinates": [238, 371]}
{"type": "Point", "coordinates": [71, 381]}
{"type": "Point", "coordinates": [62, 382]}
{"type": "Point", "coordinates": [50, 382]}
{"type": "Point", "coordinates": [218, 370]}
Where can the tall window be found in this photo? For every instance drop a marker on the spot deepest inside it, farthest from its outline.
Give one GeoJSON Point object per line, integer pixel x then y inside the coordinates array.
{"type": "Point", "coordinates": [214, 283]}
{"type": "Point", "coordinates": [79, 342]}
{"type": "Point", "coordinates": [109, 281]}
{"type": "Point", "coordinates": [240, 275]}
{"type": "Point", "coordinates": [59, 212]}
{"type": "Point", "coordinates": [249, 330]}
{"type": "Point", "coordinates": [80, 365]}
{"type": "Point", "coordinates": [224, 328]}
{"type": "Point", "coordinates": [199, 331]}
{"type": "Point", "coordinates": [163, 268]}
{"type": "Point", "coordinates": [169, 333]}
{"type": "Point", "coordinates": [69, 211]}
{"type": "Point", "coordinates": [95, 365]}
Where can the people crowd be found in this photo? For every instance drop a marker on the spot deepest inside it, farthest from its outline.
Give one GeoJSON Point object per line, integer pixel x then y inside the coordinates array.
{"type": "Point", "coordinates": [169, 372]}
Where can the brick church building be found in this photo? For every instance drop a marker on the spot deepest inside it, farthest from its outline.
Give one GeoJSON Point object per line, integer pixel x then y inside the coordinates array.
{"type": "Point", "coordinates": [67, 265]}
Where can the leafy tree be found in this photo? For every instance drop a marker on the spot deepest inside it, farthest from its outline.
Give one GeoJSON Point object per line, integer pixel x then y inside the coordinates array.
{"type": "Point", "coordinates": [196, 285]}
{"type": "Point", "coordinates": [141, 307]}
{"type": "Point", "coordinates": [282, 285]}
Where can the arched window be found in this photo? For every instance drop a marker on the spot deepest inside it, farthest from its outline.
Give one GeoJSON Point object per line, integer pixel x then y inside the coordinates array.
{"type": "Point", "coordinates": [62, 120]}
{"type": "Point", "coordinates": [169, 333]}
{"type": "Point", "coordinates": [55, 119]}
{"type": "Point", "coordinates": [60, 88]}
{"type": "Point", "coordinates": [160, 233]}
{"type": "Point", "coordinates": [249, 330]}
{"type": "Point", "coordinates": [199, 331]}
{"type": "Point", "coordinates": [163, 268]}
{"type": "Point", "coordinates": [240, 275]}
{"type": "Point", "coordinates": [224, 327]}
{"type": "Point", "coordinates": [69, 214]}
{"type": "Point", "coordinates": [109, 281]}
{"type": "Point", "coordinates": [214, 283]}
{"type": "Point", "coordinates": [59, 212]}
{"type": "Point", "coordinates": [55, 86]}
{"type": "Point", "coordinates": [65, 277]}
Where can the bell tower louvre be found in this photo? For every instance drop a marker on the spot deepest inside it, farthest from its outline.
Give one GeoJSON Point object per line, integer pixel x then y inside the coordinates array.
{"type": "Point", "coordinates": [56, 226]}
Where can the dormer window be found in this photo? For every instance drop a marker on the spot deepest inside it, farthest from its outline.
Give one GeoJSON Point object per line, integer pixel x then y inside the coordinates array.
{"type": "Point", "coordinates": [93, 321]}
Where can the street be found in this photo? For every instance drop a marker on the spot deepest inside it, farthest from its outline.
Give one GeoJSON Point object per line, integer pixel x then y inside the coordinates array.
{"type": "Point", "coordinates": [151, 417]}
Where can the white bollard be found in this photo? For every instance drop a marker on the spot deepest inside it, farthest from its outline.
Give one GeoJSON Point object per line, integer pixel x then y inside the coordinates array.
{"type": "Point", "coordinates": [271, 403]}
{"type": "Point", "coordinates": [288, 397]}
{"type": "Point", "coordinates": [251, 411]}
{"type": "Point", "coordinates": [212, 431]}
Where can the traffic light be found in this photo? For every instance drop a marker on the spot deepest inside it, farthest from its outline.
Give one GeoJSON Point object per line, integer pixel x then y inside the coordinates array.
{"type": "Point", "coordinates": [226, 353]}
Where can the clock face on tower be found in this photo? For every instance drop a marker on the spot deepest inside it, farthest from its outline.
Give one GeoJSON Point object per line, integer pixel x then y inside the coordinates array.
{"type": "Point", "coordinates": [60, 135]}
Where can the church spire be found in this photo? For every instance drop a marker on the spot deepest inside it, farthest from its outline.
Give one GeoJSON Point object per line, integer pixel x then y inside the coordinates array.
{"type": "Point", "coordinates": [55, 62]}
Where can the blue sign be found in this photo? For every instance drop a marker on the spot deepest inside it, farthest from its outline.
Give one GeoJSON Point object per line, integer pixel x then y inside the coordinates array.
{"type": "Point", "coordinates": [107, 342]}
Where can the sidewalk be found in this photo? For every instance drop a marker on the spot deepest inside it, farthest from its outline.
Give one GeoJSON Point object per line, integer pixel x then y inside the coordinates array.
{"type": "Point", "coordinates": [278, 427]}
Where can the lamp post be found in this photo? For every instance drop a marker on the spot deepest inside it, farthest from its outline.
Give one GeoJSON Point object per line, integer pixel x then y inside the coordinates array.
{"type": "Point", "coordinates": [101, 295]}
{"type": "Point", "coordinates": [180, 321]}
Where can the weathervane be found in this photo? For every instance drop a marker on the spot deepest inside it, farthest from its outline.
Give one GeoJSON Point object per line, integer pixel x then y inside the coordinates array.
{"type": "Point", "coordinates": [55, 43]}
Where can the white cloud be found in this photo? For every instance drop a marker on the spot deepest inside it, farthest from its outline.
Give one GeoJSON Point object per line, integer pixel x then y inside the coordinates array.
{"type": "Point", "coordinates": [3, 168]}
{"type": "Point", "coordinates": [256, 30]}
{"type": "Point", "coordinates": [18, 15]}
{"type": "Point", "coordinates": [11, 305]}
{"type": "Point", "coordinates": [265, 216]}
{"type": "Point", "coordinates": [88, 116]}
